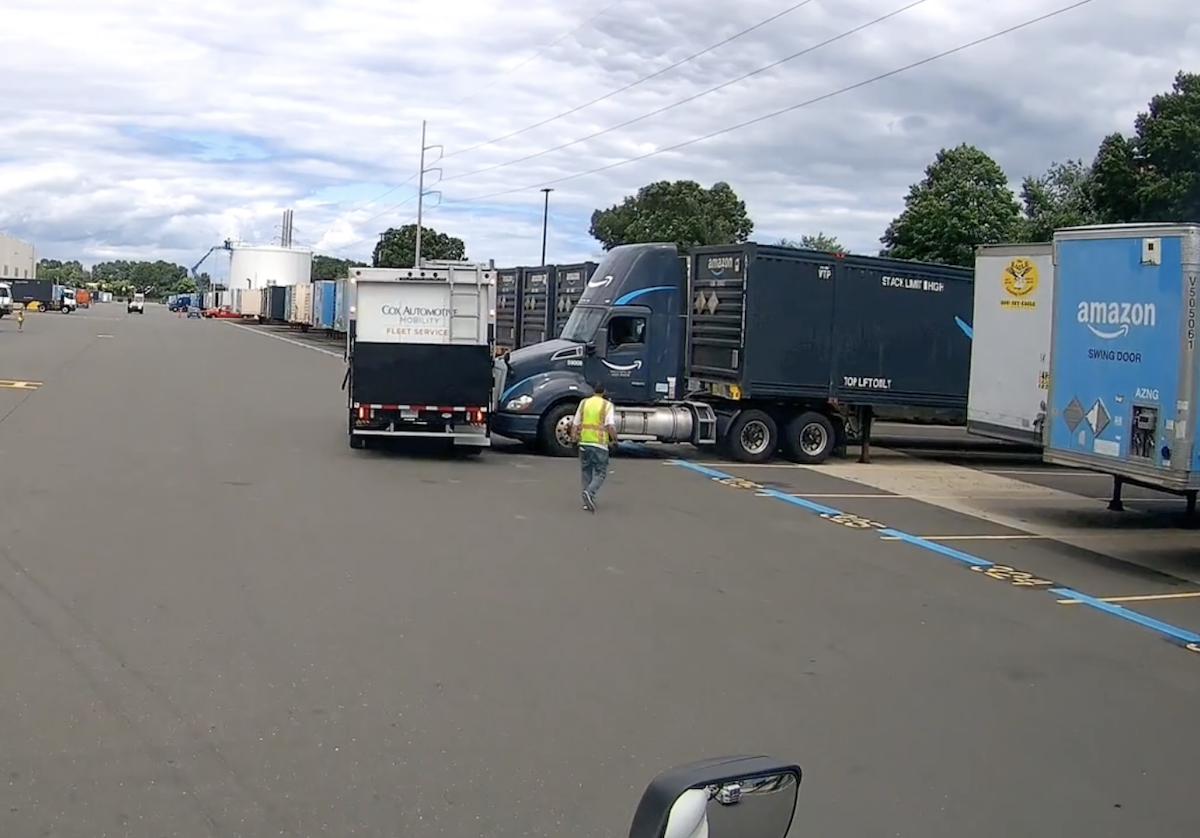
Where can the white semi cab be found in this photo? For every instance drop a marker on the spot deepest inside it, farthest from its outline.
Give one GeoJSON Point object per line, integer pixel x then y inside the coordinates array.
{"type": "Point", "coordinates": [1010, 351]}
{"type": "Point", "coordinates": [419, 353]}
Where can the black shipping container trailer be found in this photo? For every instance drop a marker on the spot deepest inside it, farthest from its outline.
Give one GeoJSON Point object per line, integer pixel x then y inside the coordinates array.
{"type": "Point", "coordinates": [569, 284]}
{"type": "Point", "coordinates": [25, 291]}
{"type": "Point", "coordinates": [537, 308]}
{"type": "Point", "coordinates": [509, 304]}
{"type": "Point", "coordinates": [274, 304]}
{"type": "Point", "coordinates": [779, 323]}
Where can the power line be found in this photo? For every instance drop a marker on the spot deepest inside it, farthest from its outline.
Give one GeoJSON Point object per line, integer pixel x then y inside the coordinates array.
{"type": "Point", "coordinates": [540, 52]}
{"type": "Point", "coordinates": [694, 96]}
{"type": "Point", "coordinates": [634, 84]}
{"type": "Point", "coordinates": [342, 248]}
{"type": "Point", "coordinates": [1008, 31]}
{"type": "Point", "coordinates": [495, 79]}
{"type": "Point", "coordinates": [404, 182]}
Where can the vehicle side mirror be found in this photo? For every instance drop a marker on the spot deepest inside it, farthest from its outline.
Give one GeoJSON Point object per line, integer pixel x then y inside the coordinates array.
{"type": "Point", "coordinates": [599, 347]}
{"type": "Point", "coordinates": [730, 797]}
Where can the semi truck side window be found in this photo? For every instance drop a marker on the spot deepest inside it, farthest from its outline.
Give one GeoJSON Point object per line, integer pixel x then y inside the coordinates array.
{"type": "Point", "coordinates": [625, 330]}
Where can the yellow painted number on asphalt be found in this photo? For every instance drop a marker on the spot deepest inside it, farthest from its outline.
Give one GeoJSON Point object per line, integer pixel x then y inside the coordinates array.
{"type": "Point", "coordinates": [1011, 575]}
{"type": "Point", "coordinates": [737, 482]}
{"type": "Point", "coordinates": [854, 521]}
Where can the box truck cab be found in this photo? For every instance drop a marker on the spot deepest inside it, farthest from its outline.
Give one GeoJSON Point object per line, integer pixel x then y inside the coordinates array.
{"type": "Point", "coordinates": [137, 304]}
{"type": "Point", "coordinates": [62, 299]}
{"type": "Point", "coordinates": [6, 299]}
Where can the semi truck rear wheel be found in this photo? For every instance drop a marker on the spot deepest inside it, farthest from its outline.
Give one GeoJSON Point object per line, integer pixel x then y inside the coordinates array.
{"type": "Point", "coordinates": [752, 437]}
{"type": "Point", "coordinates": [554, 431]}
{"type": "Point", "coordinates": [809, 438]}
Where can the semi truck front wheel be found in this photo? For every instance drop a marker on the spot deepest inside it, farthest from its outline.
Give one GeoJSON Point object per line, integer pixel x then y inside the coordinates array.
{"type": "Point", "coordinates": [554, 431]}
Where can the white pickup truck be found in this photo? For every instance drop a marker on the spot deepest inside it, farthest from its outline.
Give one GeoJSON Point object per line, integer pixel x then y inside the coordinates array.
{"type": "Point", "coordinates": [137, 304]}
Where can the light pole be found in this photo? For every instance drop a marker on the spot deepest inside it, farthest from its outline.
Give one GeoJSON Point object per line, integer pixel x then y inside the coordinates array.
{"type": "Point", "coordinates": [545, 220]}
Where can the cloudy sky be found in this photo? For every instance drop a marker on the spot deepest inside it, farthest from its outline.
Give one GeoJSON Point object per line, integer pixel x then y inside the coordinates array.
{"type": "Point", "coordinates": [135, 132]}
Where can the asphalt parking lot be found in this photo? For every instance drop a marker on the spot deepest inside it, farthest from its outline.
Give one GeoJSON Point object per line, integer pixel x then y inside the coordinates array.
{"type": "Point", "coordinates": [216, 619]}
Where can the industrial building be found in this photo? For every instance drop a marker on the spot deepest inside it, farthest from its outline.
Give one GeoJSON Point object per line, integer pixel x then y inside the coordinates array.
{"type": "Point", "coordinates": [17, 258]}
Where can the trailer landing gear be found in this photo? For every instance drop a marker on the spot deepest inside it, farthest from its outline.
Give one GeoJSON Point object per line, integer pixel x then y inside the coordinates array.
{"type": "Point", "coordinates": [1116, 504]}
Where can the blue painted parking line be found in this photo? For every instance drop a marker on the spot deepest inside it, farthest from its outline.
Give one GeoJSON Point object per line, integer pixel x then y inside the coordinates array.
{"type": "Point", "coordinates": [1179, 636]}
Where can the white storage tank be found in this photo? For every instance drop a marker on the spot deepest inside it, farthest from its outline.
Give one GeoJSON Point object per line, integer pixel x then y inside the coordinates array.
{"type": "Point", "coordinates": [261, 266]}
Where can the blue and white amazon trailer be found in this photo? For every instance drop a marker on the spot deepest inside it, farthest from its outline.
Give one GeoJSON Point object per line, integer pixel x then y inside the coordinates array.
{"type": "Point", "coordinates": [1124, 377]}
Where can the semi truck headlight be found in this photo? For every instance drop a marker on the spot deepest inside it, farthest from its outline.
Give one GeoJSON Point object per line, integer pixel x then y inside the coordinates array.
{"type": "Point", "coordinates": [519, 403]}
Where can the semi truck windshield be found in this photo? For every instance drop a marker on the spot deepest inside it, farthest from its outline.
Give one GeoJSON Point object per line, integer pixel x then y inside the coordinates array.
{"type": "Point", "coordinates": [582, 324]}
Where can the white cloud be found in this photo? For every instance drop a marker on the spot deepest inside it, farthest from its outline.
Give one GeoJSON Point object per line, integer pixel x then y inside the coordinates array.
{"type": "Point", "coordinates": [137, 131]}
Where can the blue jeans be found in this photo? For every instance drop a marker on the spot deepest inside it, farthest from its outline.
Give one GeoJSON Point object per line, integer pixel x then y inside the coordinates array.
{"type": "Point", "coordinates": [593, 468]}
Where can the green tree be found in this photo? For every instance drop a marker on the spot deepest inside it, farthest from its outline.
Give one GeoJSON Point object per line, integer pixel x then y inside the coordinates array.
{"type": "Point", "coordinates": [963, 201]}
{"type": "Point", "coordinates": [155, 279]}
{"type": "Point", "coordinates": [1155, 174]}
{"type": "Point", "coordinates": [820, 241]}
{"type": "Point", "coordinates": [329, 267]}
{"type": "Point", "coordinates": [398, 245]}
{"type": "Point", "coordinates": [71, 273]}
{"type": "Point", "coordinates": [1062, 197]}
{"type": "Point", "coordinates": [680, 211]}
{"type": "Point", "coordinates": [1114, 181]}
{"type": "Point", "coordinates": [1168, 152]}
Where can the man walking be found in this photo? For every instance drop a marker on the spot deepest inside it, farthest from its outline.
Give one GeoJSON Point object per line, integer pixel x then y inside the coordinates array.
{"type": "Point", "coordinates": [594, 428]}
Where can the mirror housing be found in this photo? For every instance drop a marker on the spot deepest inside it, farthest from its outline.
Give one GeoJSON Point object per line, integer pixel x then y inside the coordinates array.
{"type": "Point", "coordinates": [667, 810]}
{"type": "Point", "coordinates": [599, 345]}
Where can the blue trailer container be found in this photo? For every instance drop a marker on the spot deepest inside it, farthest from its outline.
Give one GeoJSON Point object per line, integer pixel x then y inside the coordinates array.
{"type": "Point", "coordinates": [340, 314]}
{"type": "Point", "coordinates": [1123, 358]}
{"type": "Point", "coordinates": [323, 303]}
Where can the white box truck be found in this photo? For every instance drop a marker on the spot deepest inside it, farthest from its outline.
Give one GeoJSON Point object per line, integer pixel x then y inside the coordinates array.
{"type": "Point", "coordinates": [1010, 337]}
{"type": "Point", "coordinates": [419, 354]}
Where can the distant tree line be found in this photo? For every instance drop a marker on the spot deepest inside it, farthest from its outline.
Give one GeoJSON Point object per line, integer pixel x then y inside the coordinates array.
{"type": "Point", "coordinates": [154, 279]}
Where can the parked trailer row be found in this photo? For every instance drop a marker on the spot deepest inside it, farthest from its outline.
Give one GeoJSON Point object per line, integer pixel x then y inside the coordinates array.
{"type": "Point", "coordinates": [1087, 346]}
{"type": "Point", "coordinates": [317, 305]}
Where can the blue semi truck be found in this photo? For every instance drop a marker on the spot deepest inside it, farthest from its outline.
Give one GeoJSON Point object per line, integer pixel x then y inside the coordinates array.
{"type": "Point", "coordinates": [753, 349]}
{"type": "Point", "coordinates": [1124, 366]}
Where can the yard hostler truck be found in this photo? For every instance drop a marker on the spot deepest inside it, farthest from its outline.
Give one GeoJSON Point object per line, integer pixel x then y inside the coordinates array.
{"type": "Point", "coordinates": [419, 349]}
{"type": "Point", "coordinates": [750, 348]}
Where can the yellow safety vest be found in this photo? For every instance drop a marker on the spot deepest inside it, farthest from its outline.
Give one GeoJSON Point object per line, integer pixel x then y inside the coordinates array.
{"type": "Point", "coordinates": [592, 429]}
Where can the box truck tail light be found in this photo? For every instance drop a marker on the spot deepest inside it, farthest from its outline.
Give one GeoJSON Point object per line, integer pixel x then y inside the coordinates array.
{"type": "Point", "coordinates": [364, 413]}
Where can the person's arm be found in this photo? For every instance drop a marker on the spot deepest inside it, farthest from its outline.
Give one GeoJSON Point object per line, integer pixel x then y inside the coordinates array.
{"type": "Point", "coordinates": [576, 423]}
{"type": "Point", "coordinates": [610, 423]}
